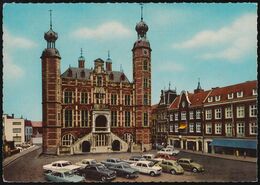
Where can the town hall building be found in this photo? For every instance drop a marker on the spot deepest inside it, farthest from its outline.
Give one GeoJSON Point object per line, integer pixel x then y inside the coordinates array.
{"type": "Point", "coordinates": [98, 109]}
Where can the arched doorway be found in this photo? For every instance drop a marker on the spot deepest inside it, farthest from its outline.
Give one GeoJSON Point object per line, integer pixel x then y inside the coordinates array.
{"type": "Point", "coordinates": [116, 145]}
{"type": "Point", "coordinates": [86, 146]}
{"type": "Point", "coordinates": [101, 123]}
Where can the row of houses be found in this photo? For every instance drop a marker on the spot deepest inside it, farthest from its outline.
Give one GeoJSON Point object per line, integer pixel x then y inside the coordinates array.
{"type": "Point", "coordinates": [219, 120]}
{"type": "Point", "coordinates": [19, 131]}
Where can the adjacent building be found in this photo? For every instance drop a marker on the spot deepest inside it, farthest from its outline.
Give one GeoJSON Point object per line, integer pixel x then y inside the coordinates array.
{"type": "Point", "coordinates": [221, 120]}
{"type": "Point", "coordinates": [97, 109]}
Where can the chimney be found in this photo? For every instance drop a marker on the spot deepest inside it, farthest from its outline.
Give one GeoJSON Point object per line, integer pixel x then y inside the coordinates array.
{"type": "Point", "coordinates": [108, 66]}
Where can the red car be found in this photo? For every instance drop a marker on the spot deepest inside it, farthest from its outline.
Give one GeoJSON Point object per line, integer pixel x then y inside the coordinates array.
{"type": "Point", "coordinates": [165, 156]}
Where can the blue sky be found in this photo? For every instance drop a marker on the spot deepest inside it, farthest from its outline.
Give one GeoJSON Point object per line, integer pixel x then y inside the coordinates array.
{"type": "Point", "coordinates": [214, 42]}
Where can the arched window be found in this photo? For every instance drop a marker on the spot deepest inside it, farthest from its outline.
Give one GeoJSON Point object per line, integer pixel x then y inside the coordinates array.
{"type": "Point", "coordinates": [68, 140]}
{"type": "Point", "coordinates": [128, 137]}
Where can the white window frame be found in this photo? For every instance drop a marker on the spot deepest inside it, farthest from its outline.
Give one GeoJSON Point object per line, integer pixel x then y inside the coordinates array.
{"type": "Point", "coordinates": [240, 94]}
{"type": "Point", "coordinates": [171, 117]}
{"type": "Point", "coordinates": [218, 128]}
{"type": "Point", "coordinates": [240, 127]}
{"type": "Point", "coordinates": [252, 109]}
{"type": "Point", "coordinates": [254, 92]}
{"type": "Point", "coordinates": [191, 127]}
{"type": "Point", "coordinates": [176, 116]}
{"type": "Point", "coordinates": [176, 128]}
{"type": "Point", "coordinates": [208, 125]}
{"type": "Point", "coordinates": [198, 127]}
{"type": "Point", "coordinates": [171, 127]}
{"type": "Point", "coordinates": [208, 113]}
{"type": "Point", "coordinates": [183, 115]}
{"type": "Point", "coordinates": [191, 115]}
{"type": "Point", "coordinates": [210, 99]}
{"type": "Point", "coordinates": [230, 96]}
{"type": "Point", "coordinates": [240, 111]}
{"type": "Point", "coordinates": [198, 114]}
{"type": "Point", "coordinates": [228, 127]}
{"type": "Point", "coordinates": [228, 112]}
{"type": "Point", "coordinates": [253, 128]}
{"type": "Point", "coordinates": [68, 140]}
{"type": "Point", "coordinates": [218, 113]}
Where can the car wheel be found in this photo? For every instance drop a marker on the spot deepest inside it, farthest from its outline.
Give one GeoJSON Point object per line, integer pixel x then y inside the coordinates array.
{"type": "Point", "coordinates": [127, 176]}
{"type": "Point", "coordinates": [152, 174]}
{"type": "Point", "coordinates": [195, 170]}
{"type": "Point", "coordinates": [103, 179]}
{"type": "Point", "coordinates": [173, 172]}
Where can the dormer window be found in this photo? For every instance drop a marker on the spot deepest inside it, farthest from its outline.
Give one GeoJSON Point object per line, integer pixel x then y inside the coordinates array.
{"type": "Point", "coordinates": [111, 76]}
{"type": "Point", "coordinates": [217, 98]}
{"type": "Point", "coordinates": [254, 92]}
{"type": "Point", "coordinates": [240, 94]}
{"type": "Point", "coordinates": [122, 77]}
{"type": "Point", "coordinates": [230, 96]}
{"type": "Point", "coordinates": [210, 99]}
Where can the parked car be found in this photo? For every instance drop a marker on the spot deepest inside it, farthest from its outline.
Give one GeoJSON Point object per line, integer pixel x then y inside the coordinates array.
{"type": "Point", "coordinates": [124, 170]}
{"type": "Point", "coordinates": [147, 167]}
{"type": "Point", "coordinates": [171, 166]}
{"type": "Point", "coordinates": [157, 146]}
{"type": "Point", "coordinates": [97, 172]}
{"type": "Point", "coordinates": [190, 165]}
{"type": "Point", "coordinates": [168, 151]}
{"type": "Point", "coordinates": [63, 175]}
{"type": "Point", "coordinates": [135, 159]}
{"type": "Point", "coordinates": [85, 162]}
{"type": "Point", "coordinates": [111, 161]}
{"type": "Point", "coordinates": [148, 156]}
{"type": "Point", "coordinates": [60, 165]}
{"type": "Point", "coordinates": [165, 156]}
{"type": "Point", "coordinates": [170, 146]}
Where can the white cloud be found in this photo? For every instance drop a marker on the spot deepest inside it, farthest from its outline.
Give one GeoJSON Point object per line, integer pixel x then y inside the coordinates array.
{"type": "Point", "coordinates": [235, 41]}
{"type": "Point", "coordinates": [11, 70]}
{"type": "Point", "coordinates": [107, 30]}
{"type": "Point", "coordinates": [170, 66]}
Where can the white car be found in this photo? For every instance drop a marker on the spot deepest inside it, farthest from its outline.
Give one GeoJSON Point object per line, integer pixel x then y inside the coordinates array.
{"type": "Point", "coordinates": [168, 151]}
{"type": "Point", "coordinates": [85, 162]}
{"type": "Point", "coordinates": [148, 156]}
{"type": "Point", "coordinates": [60, 165]}
{"type": "Point", "coordinates": [147, 167]}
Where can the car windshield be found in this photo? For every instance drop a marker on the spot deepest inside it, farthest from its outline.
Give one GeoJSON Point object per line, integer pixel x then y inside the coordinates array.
{"type": "Point", "coordinates": [118, 160]}
{"type": "Point", "coordinates": [191, 161]}
{"type": "Point", "coordinates": [151, 164]}
{"type": "Point", "coordinates": [68, 174]}
{"type": "Point", "coordinates": [175, 163]}
{"type": "Point", "coordinates": [102, 167]}
{"type": "Point", "coordinates": [66, 164]}
{"type": "Point", "coordinates": [126, 166]}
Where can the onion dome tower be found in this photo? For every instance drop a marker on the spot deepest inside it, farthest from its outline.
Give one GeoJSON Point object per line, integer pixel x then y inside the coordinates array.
{"type": "Point", "coordinates": [142, 83]}
{"type": "Point", "coordinates": [51, 94]}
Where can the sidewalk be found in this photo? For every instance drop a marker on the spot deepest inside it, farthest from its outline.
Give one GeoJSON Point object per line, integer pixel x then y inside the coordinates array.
{"type": "Point", "coordinates": [231, 157]}
{"type": "Point", "coordinates": [12, 158]}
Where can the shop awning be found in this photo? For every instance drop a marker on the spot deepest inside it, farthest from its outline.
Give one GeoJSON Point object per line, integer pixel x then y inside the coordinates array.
{"type": "Point", "coordinates": [183, 125]}
{"type": "Point", "coordinates": [235, 143]}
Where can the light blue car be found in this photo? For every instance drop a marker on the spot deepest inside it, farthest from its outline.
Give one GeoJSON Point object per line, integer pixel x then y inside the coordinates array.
{"type": "Point", "coordinates": [63, 175]}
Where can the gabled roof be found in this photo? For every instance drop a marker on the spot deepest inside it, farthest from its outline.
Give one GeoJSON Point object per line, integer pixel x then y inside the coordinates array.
{"type": "Point", "coordinates": [197, 99]}
{"type": "Point", "coordinates": [28, 123]}
{"type": "Point", "coordinates": [175, 103]}
{"type": "Point", "coordinates": [76, 73]}
{"type": "Point", "coordinates": [247, 88]}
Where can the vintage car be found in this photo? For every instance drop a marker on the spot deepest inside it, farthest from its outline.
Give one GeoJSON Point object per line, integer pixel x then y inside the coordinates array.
{"type": "Point", "coordinates": [85, 162]}
{"type": "Point", "coordinates": [63, 175]}
{"type": "Point", "coordinates": [147, 167]}
{"type": "Point", "coordinates": [148, 156]}
{"type": "Point", "coordinates": [171, 166]}
{"type": "Point", "coordinates": [168, 151]}
{"type": "Point", "coordinates": [111, 161]}
{"type": "Point", "coordinates": [165, 156]}
{"type": "Point", "coordinates": [97, 172]}
{"type": "Point", "coordinates": [134, 159]}
{"type": "Point", "coordinates": [60, 165]}
{"type": "Point", "coordinates": [124, 170]}
{"type": "Point", "coordinates": [190, 165]}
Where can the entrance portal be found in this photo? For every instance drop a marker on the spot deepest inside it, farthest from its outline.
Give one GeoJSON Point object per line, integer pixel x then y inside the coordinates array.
{"type": "Point", "coordinates": [101, 123]}
{"type": "Point", "coordinates": [86, 146]}
{"type": "Point", "coordinates": [116, 145]}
